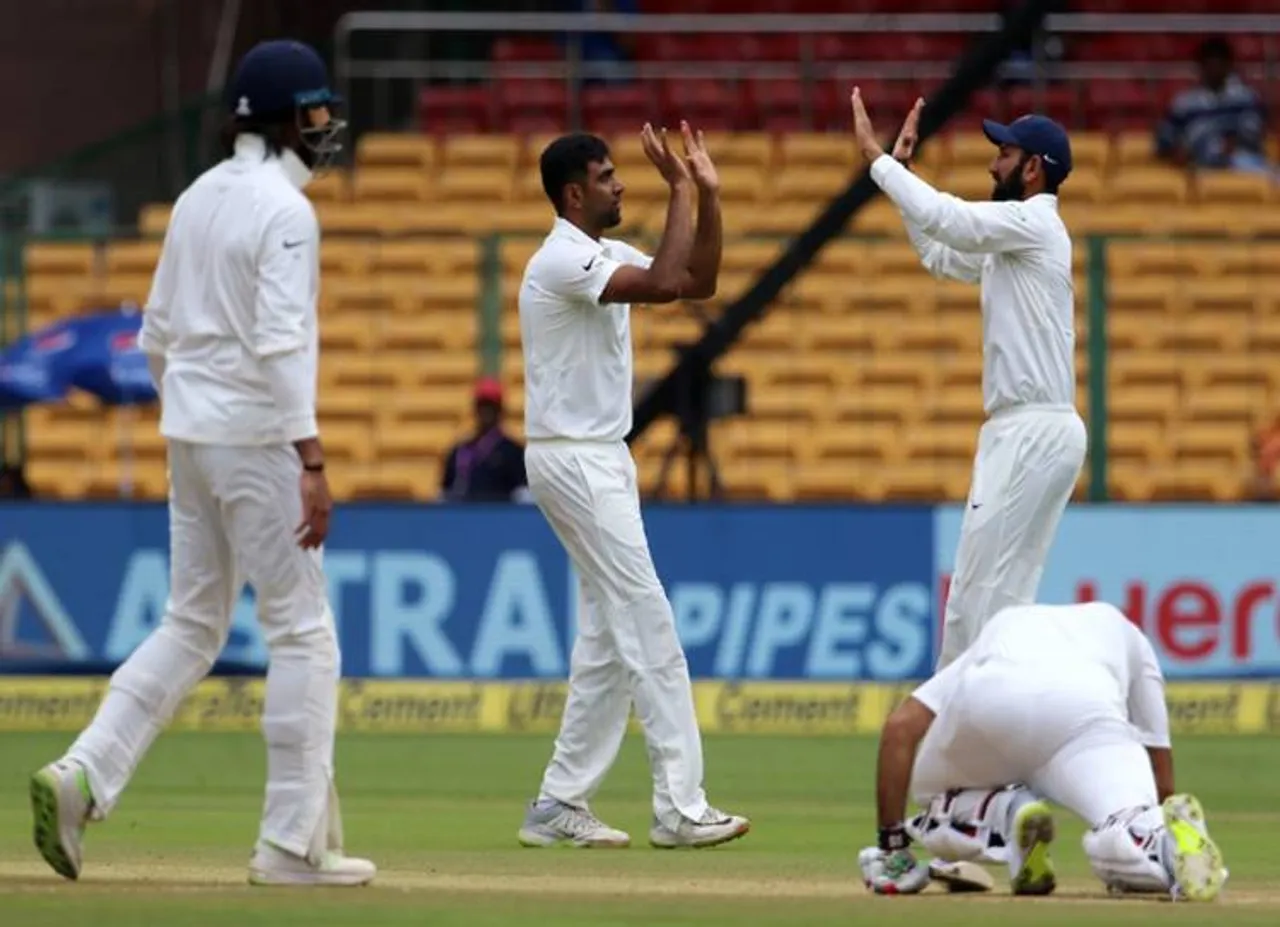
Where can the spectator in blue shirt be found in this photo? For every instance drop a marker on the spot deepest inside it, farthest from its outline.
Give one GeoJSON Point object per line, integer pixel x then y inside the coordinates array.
{"type": "Point", "coordinates": [1220, 124]}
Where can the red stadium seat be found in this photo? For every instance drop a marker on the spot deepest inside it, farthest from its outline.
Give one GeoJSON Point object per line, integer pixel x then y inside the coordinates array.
{"type": "Point", "coordinates": [776, 104]}
{"type": "Point", "coordinates": [532, 105]}
{"type": "Point", "coordinates": [708, 104]}
{"type": "Point", "coordinates": [609, 108]}
{"type": "Point", "coordinates": [525, 49]}
{"type": "Point", "coordinates": [455, 109]}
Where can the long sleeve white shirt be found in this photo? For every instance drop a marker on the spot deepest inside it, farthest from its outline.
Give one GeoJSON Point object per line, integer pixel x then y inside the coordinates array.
{"type": "Point", "coordinates": [231, 318]}
{"type": "Point", "coordinates": [1020, 252]}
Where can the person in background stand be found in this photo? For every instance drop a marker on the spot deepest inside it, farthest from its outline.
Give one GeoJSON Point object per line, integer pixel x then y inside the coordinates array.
{"type": "Point", "coordinates": [489, 466]}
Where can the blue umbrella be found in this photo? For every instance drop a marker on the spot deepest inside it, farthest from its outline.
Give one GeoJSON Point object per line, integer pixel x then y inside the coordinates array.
{"type": "Point", "coordinates": [33, 368]}
{"type": "Point", "coordinates": [105, 360]}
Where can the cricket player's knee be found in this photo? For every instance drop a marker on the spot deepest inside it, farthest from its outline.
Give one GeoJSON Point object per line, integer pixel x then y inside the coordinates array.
{"type": "Point", "coordinates": [645, 633]}
{"type": "Point", "coordinates": [1127, 854]}
{"type": "Point", "coordinates": [317, 647]}
{"type": "Point", "coordinates": [202, 636]}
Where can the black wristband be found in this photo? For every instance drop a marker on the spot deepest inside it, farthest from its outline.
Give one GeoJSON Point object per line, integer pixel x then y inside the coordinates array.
{"type": "Point", "coordinates": [314, 468]}
{"type": "Point", "coordinates": [894, 838]}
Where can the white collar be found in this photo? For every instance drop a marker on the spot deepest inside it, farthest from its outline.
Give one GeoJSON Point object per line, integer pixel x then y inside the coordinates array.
{"type": "Point", "coordinates": [567, 229]}
{"type": "Point", "coordinates": [249, 145]}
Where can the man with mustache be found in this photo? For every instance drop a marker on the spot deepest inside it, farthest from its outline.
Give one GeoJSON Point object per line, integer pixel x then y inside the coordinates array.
{"type": "Point", "coordinates": [575, 332]}
{"type": "Point", "coordinates": [1032, 446]}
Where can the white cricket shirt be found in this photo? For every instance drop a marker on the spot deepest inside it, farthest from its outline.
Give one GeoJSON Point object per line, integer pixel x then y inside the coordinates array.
{"type": "Point", "coordinates": [577, 351]}
{"type": "Point", "coordinates": [1021, 254]}
{"type": "Point", "coordinates": [1092, 644]}
{"type": "Point", "coordinates": [232, 310]}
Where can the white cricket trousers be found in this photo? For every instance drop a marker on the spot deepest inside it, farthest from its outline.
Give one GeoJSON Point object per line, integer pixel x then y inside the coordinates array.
{"type": "Point", "coordinates": [626, 649]}
{"type": "Point", "coordinates": [1025, 469]}
{"type": "Point", "coordinates": [1055, 730]}
{"type": "Point", "coordinates": [233, 512]}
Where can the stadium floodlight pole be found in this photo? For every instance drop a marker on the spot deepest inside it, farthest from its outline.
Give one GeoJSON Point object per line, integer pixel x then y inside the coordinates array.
{"type": "Point", "coordinates": [973, 71]}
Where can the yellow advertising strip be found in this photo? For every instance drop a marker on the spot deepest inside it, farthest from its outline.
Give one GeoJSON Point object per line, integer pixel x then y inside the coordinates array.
{"type": "Point", "coordinates": [419, 706]}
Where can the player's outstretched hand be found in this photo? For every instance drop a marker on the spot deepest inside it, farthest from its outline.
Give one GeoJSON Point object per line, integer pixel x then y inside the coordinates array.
{"type": "Point", "coordinates": [317, 505]}
{"type": "Point", "coordinates": [905, 147]}
{"type": "Point", "coordinates": [701, 166]}
{"type": "Point", "coordinates": [670, 165]}
{"type": "Point", "coordinates": [863, 131]}
{"type": "Point", "coordinates": [894, 872]}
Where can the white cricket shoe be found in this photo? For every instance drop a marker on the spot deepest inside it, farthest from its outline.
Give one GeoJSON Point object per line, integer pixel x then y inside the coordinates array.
{"type": "Point", "coordinates": [712, 829]}
{"type": "Point", "coordinates": [550, 823]}
{"type": "Point", "coordinates": [1194, 862]}
{"type": "Point", "coordinates": [61, 804]}
{"type": "Point", "coordinates": [1030, 867]}
{"type": "Point", "coordinates": [273, 866]}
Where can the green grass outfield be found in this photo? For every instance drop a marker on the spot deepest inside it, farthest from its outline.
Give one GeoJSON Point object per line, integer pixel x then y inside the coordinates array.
{"type": "Point", "coordinates": [439, 815]}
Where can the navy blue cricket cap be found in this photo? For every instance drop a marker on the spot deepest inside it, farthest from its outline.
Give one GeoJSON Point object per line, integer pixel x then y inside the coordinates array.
{"type": "Point", "coordinates": [1037, 135]}
{"type": "Point", "coordinates": [277, 78]}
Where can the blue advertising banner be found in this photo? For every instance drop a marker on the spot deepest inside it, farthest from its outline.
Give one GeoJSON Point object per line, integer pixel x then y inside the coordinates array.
{"type": "Point", "coordinates": [482, 592]}
{"type": "Point", "coordinates": [1202, 581]}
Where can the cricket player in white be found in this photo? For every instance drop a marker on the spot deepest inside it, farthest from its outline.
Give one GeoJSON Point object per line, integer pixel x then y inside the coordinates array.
{"type": "Point", "coordinates": [230, 331]}
{"type": "Point", "coordinates": [1061, 704]}
{"type": "Point", "coordinates": [576, 334]}
{"type": "Point", "coordinates": [1032, 447]}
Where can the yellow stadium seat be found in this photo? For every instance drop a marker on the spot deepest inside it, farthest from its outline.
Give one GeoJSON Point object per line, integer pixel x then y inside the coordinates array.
{"type": "Point", "coordinates": [391, 185]}
{"type": "Point", "coordinates": [742, 186]}
{"type": "Point", "coordinates": [750, 258]}
{"type": "Point", "coordinates": [495, 151]}
{"type": "Point", "coordinates": [1154, 185]}
{"type": "Point", "coordinates": [347, 333]}
{"type": "Point", "coordinates": [1191, 481]}
{"type": "Point", "coordinates": [938, 334]}
{"type": "Point", "coordinates": [746, 149]}
{"type": "Point", "coordinates": [330, 186]}
{"type": "Point", "coordinates": [925, 481]}
{"type": "Point", "coordinates": [835, 150]}
{"type": "Point", "coordinates": [1197, 334]}
{"type": "Point", "coordinates": [970, 151]}
{"type": "Point", "coordinates": [404, 257]}
{"type": "Point", "coordinates": [1131, 149]}
{"type": "Point", "coordinates": [342, 257]}
{"type": "Point", "coordinates": [1241, 188]}
{"type": "Point", "coordinates": [814, 183]}
{"type": "Point", "coordinates": [1091, 152]}
{"type": "Point", "coordinates": [477, 184]}
{"type": "Point", "coordinates": [372, 219]}
{"type": "Point", "coordinates": [60, 259]}
{"type": "Point", "coordinates": [153, 219]}
{"type": "Point", "coordinates": [840, 333]}
{"type": "Point", "coordinates": [455, 255]}
{"type": "Point", "coordinates": [400, 149]}
{"type": "Point", "coordinates": [956, 406]}
{"type": "Point", "coordinates": [348, 441]}
{"type": "Point", "coordinates": [436, 331]}
{"type": "Point", "coordinates": [1146, 296]}
{"type": "Point", "coordinates": [1231, 300]}
{"type": "Point", "coordinates": [783, 217]}
{"type": "Point", "coordinates": [754, 440]}
{"type": "Point", "coordinates": [756, 480]}
{"type": "Point", "coordinates": [1236, 403]}
{"type": "Point", "coordinates": [1136, 441]}
{"type": "Point", "coordinates": [1161, 258]}
{"type": "Point", "coordinates": [1159, 403]}
{"type": "Point", "coordinates": [885, 402]}
{"type": "Point", "coordinates": [1225, 442]}
{"type": "Point", "coordinates": [794, 404]}
{"type": "Point", "coordinates": [846, 257]}
{"type": "Point", "coordinates": [967, 182]}
{"type": "Point", "coordinates": [836, 481]}
{"type": "Point", "coordinates": [1210, 219]}
{"type": "Point", "coordinates": [1262, 336]}
{"type": "Point", "coordinates": [447, 403]}
{"type": "Point", "coordinates": [856, 441]}
{"type": "Point", "coordinates": [950, 442]}
{"type": "Point", "coordinates": [889, 370]}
